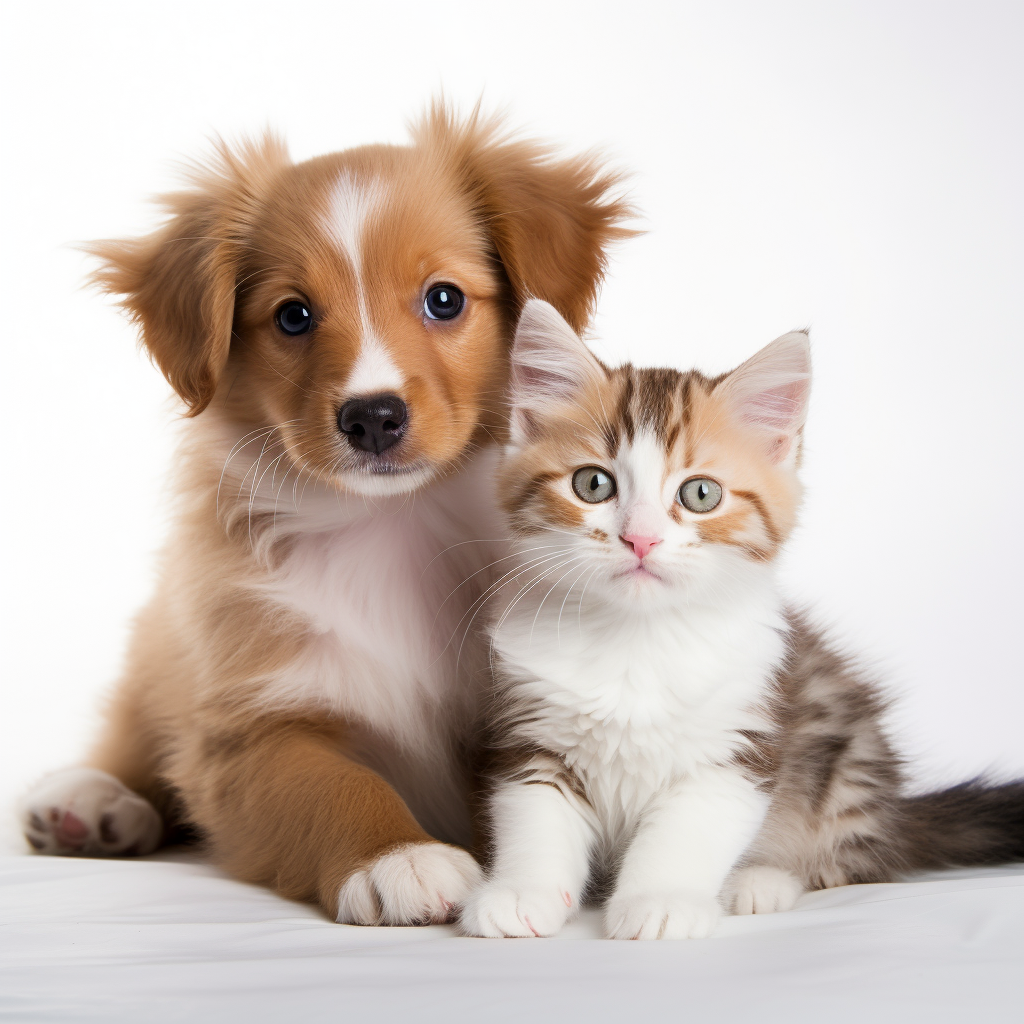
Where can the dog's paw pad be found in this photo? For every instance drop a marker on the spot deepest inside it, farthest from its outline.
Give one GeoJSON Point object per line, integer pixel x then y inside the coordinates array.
{"type": "Point", "coordinates": [421, 883]}
{"type": "Point", "coordinates": [88, 813]}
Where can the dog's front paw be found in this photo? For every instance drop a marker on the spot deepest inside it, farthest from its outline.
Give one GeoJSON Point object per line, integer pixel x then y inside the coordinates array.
{"type": "Point", "coordinates": [760, 889]}
{"type": "Point", "coordinates": [421, 883]}
{"type": "Point", "coordinates": [500, 909]}
{"type": "Point", "coordinates": [87, 813]}
{"type": "Point", "coordinates": [669, 915]}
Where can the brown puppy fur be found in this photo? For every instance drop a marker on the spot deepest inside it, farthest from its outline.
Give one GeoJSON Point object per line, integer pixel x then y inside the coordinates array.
{"type": "Point", "coordinates": [287, 693]}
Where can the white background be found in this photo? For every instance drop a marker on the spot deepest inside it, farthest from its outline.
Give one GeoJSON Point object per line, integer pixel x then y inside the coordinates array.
{"type": "Point", "coordinates": [853, 167]}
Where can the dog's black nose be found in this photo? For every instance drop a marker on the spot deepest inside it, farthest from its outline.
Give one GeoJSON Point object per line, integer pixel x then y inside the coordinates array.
{"type": "Point", "coordinates": [373, 423]}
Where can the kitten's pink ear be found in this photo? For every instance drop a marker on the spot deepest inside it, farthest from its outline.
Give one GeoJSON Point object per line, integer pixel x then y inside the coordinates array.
{"type": "Point", "coordinates": [550, 366]}
{"type": "Point", "coordinates": [770, 391]}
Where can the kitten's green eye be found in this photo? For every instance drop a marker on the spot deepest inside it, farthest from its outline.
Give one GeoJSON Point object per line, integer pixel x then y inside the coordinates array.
{"type": "Point", "coordinates": [593, 484]}
{"type": "Point", "coordinates": [701, 494]}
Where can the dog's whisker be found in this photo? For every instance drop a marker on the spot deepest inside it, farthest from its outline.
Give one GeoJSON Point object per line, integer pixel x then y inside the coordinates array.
{"type": "Point", "coordinates": [252, 490]}
{"type": "Point", "coordinates": [235, 449]}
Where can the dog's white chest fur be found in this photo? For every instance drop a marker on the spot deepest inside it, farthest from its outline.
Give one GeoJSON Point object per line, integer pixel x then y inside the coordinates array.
{"type": "Point", "coordinates": [389, 591]}
{"type": "Point", "coordinates": [633, 702]}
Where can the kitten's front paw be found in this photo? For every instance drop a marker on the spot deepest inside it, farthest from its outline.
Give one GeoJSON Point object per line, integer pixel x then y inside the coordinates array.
{"type": "Point", "coordinates": [672, 915]}
{"type": "Point", "coordinates": [498, 909]}
{"type": "Point", "coordinates": [84, 812]}
{"type": "Point", "coordinates": [761, 889]}
{"type": "Point", "coordinates": [421, 883]}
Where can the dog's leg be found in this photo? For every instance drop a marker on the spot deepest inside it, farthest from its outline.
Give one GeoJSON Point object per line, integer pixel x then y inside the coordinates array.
{"type": "Point", "coordinates": [86, 812]}
{"type": "Point", "coordinates": [283, 806]}
{"type": "Point", "coordinates": [110, 807]}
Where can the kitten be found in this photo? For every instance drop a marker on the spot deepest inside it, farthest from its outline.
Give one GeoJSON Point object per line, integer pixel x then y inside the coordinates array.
{"type": "Point", "coordinates": [660, 719]}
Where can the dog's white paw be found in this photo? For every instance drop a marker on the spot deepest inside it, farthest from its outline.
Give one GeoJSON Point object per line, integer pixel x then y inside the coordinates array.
{"type": "Point", "coordinates": [668, 915]}
{"type": "Point", "coordinates": [502, 909]}
{"type": "Point", "coordinates": [84, 812]}
{"type": "Point", "coordinates": [761, 889]}
{"type": "Point", "coordinates": [421, 883]}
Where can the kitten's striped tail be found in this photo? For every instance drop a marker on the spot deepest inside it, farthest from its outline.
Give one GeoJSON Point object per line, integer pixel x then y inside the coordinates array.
{"type": "Point", "coordinates": [964, 826]}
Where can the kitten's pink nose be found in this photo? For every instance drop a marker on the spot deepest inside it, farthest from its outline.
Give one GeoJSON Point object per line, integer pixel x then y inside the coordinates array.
{"type": "Point", "coordinates": [640, 545]}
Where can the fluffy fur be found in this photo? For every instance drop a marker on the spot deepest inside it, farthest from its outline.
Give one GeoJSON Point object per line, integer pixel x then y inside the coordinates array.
{"type": "Point", "coordinates": [663, 729]}
{"type": "Point", "coordinates": [301, 687]}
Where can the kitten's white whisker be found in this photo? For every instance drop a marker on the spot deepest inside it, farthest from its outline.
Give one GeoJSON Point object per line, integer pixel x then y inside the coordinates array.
{"type": "Point", "coordinates": [514, 554]}
{"type": "Point", "coordinates": [458, 657]}
{"type": "Point", "coordinates": [533, 626]}
{"type": "Point", "coordinates": [583, 593]}
{"type": "Point", "coordinates": [525, 590]}
{"type": "Point", "coordinates": [489, 592]}
{"type": "Point", "coordinates": [462, 543]}
{"type": "Point", "coordinates": [558, 624]}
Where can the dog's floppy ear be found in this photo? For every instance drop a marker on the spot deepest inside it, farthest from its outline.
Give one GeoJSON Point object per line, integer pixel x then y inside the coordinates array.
{"type": "Point", "coordinates": [178, 283]}
{"type": "Point", "coordinates": [551, 219]}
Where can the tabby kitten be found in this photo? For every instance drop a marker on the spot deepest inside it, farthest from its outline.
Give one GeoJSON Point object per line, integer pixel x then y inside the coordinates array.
{"type": "Point", "coordinates": [660, 720]}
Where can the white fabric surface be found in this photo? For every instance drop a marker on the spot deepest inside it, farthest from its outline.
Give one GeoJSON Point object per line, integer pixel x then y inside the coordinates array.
{"type": "Point", "coordinates": [170, 938]}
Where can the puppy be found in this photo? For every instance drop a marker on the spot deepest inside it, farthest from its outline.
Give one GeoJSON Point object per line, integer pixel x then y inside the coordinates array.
{"type": "Point", "coordinates": [301, 688]}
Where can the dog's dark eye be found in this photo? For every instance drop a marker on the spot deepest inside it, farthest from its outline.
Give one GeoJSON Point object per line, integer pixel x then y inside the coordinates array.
{"type": "Point", "coordinates": [443, 302]}
{"type": "Point", "coordinates": [294, 318]}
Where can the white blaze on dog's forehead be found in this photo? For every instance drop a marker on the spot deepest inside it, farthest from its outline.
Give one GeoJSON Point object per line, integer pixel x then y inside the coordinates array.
{"type": "Point", "coordinates": [353, 205]}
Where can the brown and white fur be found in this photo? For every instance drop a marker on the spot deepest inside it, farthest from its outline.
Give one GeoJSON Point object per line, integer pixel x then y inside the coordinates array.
{"type": "Point", "coordinates": [662, 724]}
{"type": "Point", "coordinates": [301, 687]}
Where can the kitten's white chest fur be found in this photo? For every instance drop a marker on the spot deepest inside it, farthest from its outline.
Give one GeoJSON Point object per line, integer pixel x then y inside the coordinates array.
{"type": "Point", "coordinates": [646, 709]}
{"type": "Point", "coordinates": [635, 701]}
